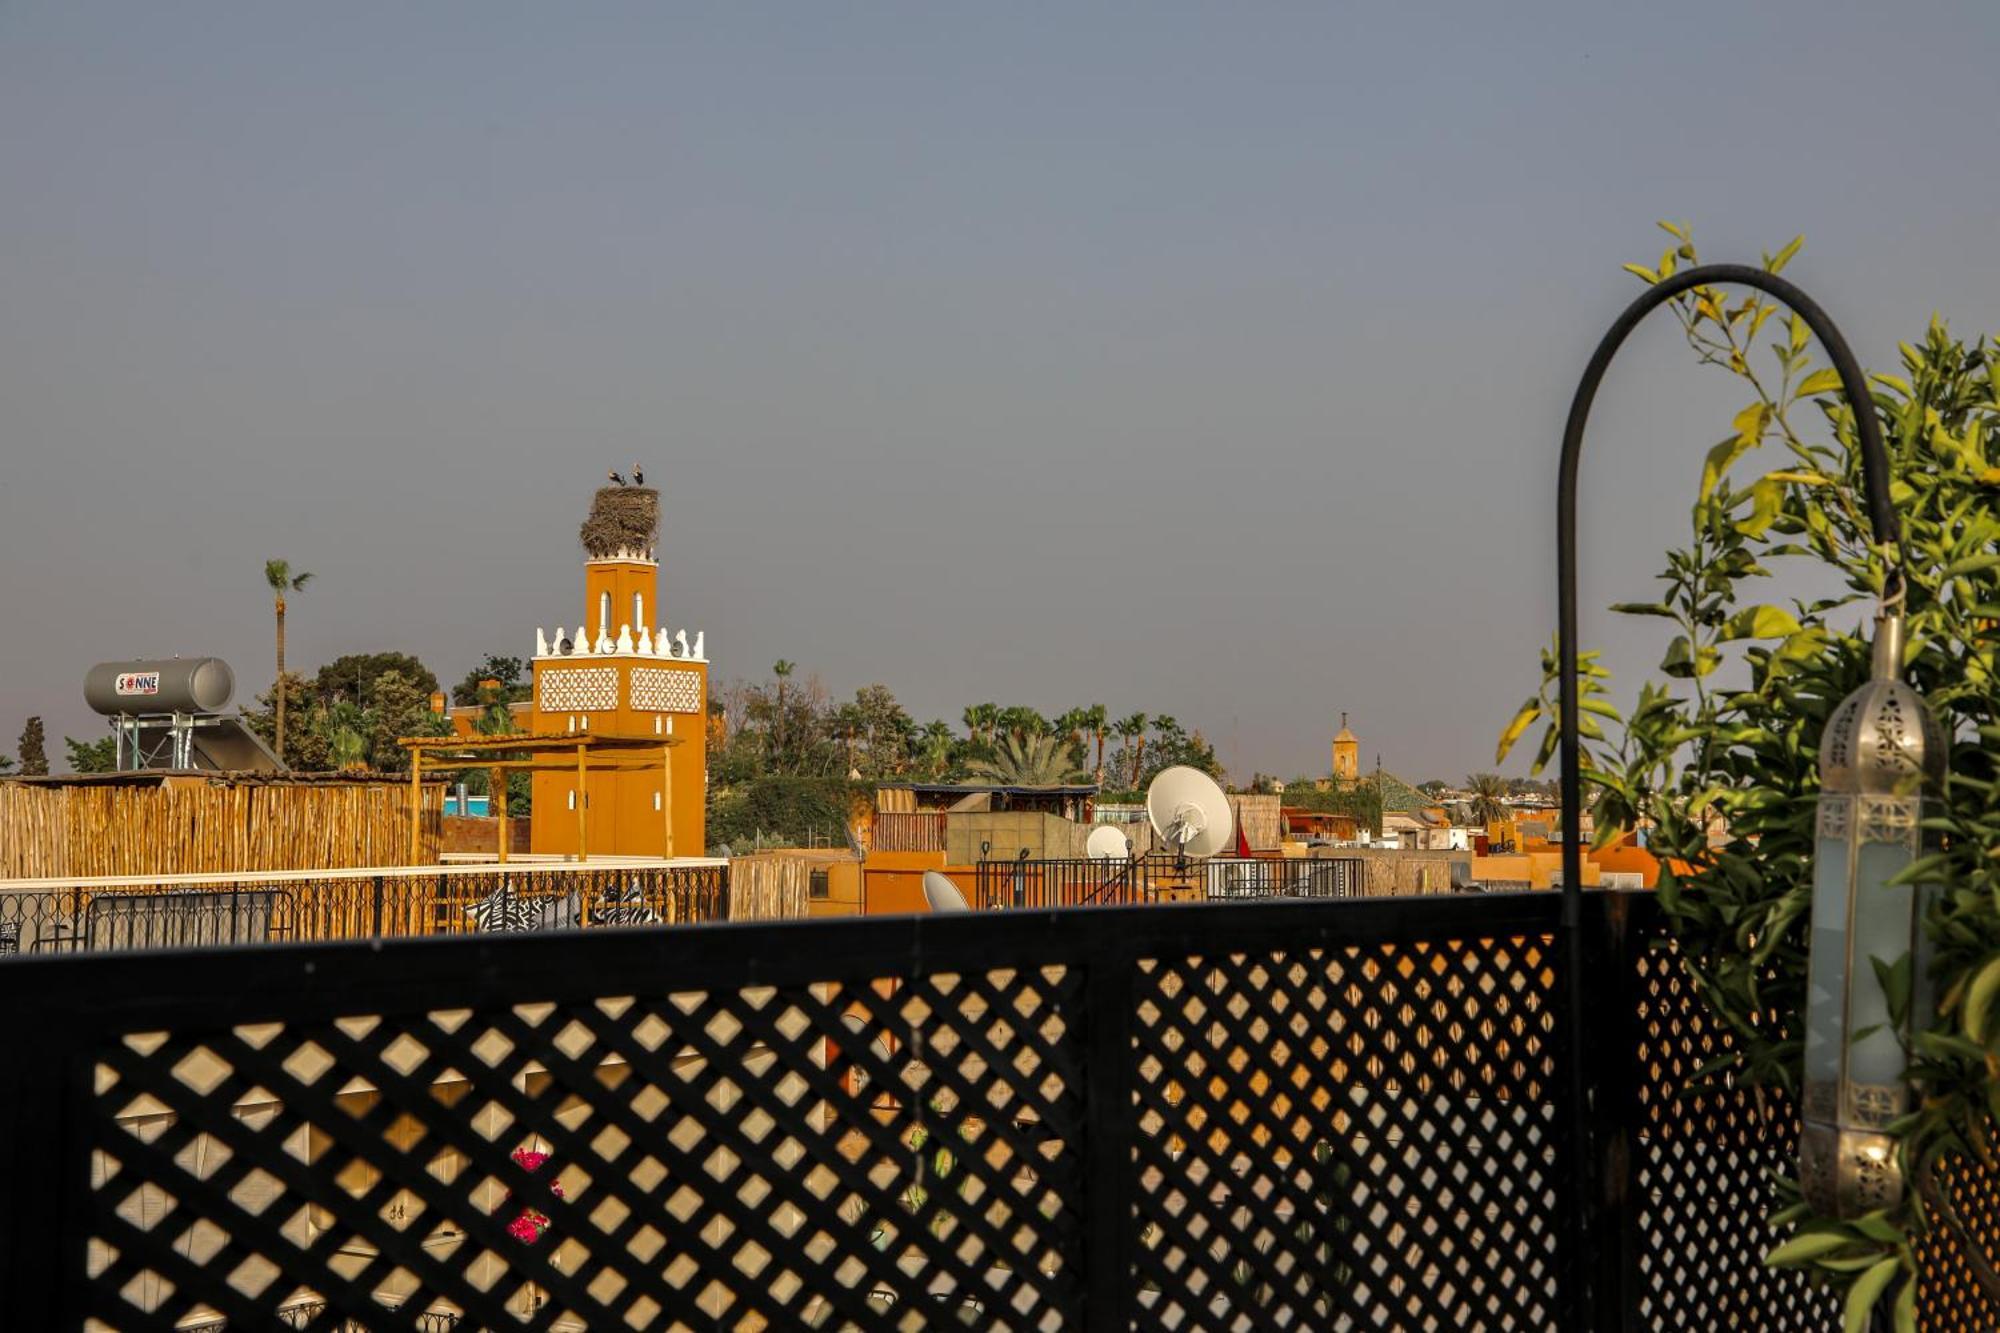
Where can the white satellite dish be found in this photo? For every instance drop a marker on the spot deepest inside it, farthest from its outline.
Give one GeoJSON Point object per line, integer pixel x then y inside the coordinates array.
{"type": "Point", "coordinates": [941, 895]}
{"type": "Point", "coordinates": [1107, 843]}
{"type": "Point", "coordinates": [1189, 811]}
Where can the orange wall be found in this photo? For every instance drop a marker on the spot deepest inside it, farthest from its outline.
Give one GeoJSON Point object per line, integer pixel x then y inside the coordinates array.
{"type": "Point", "coordinates": [893, 882]}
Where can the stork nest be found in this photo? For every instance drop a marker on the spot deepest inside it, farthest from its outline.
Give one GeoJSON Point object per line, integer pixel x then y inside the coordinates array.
{"type": "Point", "coordinates": [622, 518]}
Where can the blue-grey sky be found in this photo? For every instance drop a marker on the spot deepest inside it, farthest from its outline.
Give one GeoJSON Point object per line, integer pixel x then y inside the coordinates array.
{"type": "Point", "coordinates": [1194, 359]}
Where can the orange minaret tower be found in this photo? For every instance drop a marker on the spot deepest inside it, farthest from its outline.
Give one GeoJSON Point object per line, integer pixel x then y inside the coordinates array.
{"type": "Point", "coordinates": [1346, 755]}
{"type": "Point", "coordinates": [622, 679]}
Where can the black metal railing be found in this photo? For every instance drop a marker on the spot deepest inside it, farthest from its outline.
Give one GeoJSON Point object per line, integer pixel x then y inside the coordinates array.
{"type": "Point", "coordinates": [1256, 1115]}
{"type": "Point", "coordinates": [128, 914]}
{"type": "Point", "coordinates": [1120, 882]}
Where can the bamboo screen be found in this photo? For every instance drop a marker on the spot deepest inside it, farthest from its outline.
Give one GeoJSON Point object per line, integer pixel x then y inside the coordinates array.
{"type": "Point", "coordinates": [87, 831]}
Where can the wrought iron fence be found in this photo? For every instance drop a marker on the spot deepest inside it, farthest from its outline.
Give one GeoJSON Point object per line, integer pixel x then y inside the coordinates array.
{"type": "Point", "coordinates": [1114, 882]}
{"type": "Point", "coordinates": [1224, 1117]}
{"type": "Point", "coordinates": [193, 912]}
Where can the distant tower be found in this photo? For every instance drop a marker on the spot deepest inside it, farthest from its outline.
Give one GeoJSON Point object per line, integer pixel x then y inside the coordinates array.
{"type": "Point", "coordinates": [1346, 754]}
{"type": "Point", "coordinates": [618, 677]}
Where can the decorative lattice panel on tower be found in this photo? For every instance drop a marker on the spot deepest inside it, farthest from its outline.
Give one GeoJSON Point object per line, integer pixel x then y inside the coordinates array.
{"type": "Point", "coordinates": [666, 690]}
{"type": "Point", "coordinates": [577, 690]}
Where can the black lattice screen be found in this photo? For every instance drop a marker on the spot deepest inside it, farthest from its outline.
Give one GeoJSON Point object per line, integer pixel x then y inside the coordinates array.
{"type": "Point", "coordinates": [1334, 1116]}
{"type": "Point", "coordinates": [811, 1155]}
{"type": "Point", "coordinates": [1348, 1137]}
{"type": "Point", "coordinates": [1701, 1175]}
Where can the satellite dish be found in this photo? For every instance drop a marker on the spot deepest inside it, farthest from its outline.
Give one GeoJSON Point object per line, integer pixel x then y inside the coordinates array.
{"type": "Point", "coordinates": [941, 895]}
{"type": "Point", "coordinates": [1189, 811]}
{"type": "Point", "coordinates": [1107, 844]}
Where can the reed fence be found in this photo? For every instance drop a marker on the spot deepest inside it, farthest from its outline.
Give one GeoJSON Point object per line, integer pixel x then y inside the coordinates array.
{"type": "Point", "coordinates": [203, 828]}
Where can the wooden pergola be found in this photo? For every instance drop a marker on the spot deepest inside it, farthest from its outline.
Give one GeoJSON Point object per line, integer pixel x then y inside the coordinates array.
{"type": "Point", "coordinates": [523, 753]}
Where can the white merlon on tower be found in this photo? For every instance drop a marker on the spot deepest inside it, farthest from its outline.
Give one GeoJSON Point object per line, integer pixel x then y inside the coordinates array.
{"type": "Point", "coordinates": [625, 639]}
{"type": "Point", "coordinates": [541, 642]}
{"type": "Point", "coordinates": [700, 652]}
{"type": "Point", "coordinates": [645, 642]}
{"type": "Point", "coordinates": [582, 639]}
{"type": "Point", "coordinates": [681, 643]}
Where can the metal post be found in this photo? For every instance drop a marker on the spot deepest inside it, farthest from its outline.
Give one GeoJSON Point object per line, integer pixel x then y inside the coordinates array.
{"type": "Point", "coordinates": [1588, 1305]}
{"type": "Point", "coordinates": [378, 907]}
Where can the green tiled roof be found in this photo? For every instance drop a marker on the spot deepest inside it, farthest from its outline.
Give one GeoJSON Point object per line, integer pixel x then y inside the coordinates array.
{"type": "Point", "coordinates": [1398, 796]}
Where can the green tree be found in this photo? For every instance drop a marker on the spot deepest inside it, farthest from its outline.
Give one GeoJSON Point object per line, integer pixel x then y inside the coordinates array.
{"type": "Point", "coordinates": [1727, 776]}
{"type": "Point", "coordinates": [34, 755]}
{"type": "Point", "coordinates": [1021, 721]}
{"type": "Point", "coordinates": [279, 577]}
{"type": "Point", "coordinates": [879, 733]}
{"type": "Point", "coordinates": [1131, 731]}
{"type": "Point", "coordinates": [305, 746]}
{"type": "Point", "coordinates": [1489, 796]}
{"type": "Point", "coordinates": [352, 677]}
{"type": "Point", "coordinates": [98, 756]}
{"type": "Point", "coordinates": [511, 674]}
{"type": "Point", "coordinates": [1035, 760]}
{"type": "Point", "coordinates": [1095, 720]}
{"type": "Point", "coordinates": [980, 720]}
{"type": "Point", "coordinates": [397, 707]}
{"type": "Point", "coordinates": [936, 748]}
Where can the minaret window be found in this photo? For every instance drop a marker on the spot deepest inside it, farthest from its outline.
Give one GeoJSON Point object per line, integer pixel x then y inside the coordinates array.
{"type": "Point", "coordinates": [638, 611]}
{"type": "Point", "coordinates": [604, 613]}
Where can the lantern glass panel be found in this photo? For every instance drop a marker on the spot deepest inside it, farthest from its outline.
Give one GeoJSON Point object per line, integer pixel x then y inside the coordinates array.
{"type": "Point", "coordinates": [1827, 975]}
{"type": "Point", "coordinates": [1881, 931]}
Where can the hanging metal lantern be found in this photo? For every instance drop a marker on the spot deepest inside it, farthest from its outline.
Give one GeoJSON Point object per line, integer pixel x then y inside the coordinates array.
{"type": "Point", "coordinates": [1882, 750]}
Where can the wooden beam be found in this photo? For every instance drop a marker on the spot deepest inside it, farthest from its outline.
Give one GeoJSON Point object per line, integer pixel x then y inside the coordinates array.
{"type": "Point", "coordinates": [416, 802]}
{"type": "Point", "coordinates": [496, 786]}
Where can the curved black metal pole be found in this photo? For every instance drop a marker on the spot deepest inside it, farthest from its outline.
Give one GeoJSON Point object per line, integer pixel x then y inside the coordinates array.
{"type": "Point", "coordinates": [1583, 1214]}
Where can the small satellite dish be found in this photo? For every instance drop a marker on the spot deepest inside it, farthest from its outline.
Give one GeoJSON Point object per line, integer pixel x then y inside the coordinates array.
{"type": "Point", "coordinates": [941, 895]}
{"type": "Point", "coordinates": [1189, 811]}
{"type": "Point", "coordinates": [1107, 844]}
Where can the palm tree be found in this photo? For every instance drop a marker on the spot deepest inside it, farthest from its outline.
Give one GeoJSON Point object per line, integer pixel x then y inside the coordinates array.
{"type": "Point", "coordinates": [980, 720]}
{"type": "Point", "coordinates": [1073, 724]}
{"type": "Point", "coordinates": [935, 741]}
{"type": "Point", "coordinates": [1028, 761]}
{"type": "Point", "coordinates": [1022, 721]}
{"type": "Point", "coordinates": [782, 669]}
{"type": "Point", "coordinates": [1095, 721]}
{"type": "Point", "coordinates": [1488, 796]}
{"type": "Point", "coordinates": [278, 574]}
{"type": "Point", "coordinates": [1132, 730]}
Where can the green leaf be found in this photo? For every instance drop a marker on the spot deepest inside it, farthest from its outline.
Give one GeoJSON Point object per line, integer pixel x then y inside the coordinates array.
{"type": "Point", "coordinates": [1679, 661]}
{"type": "Point", "coordinates": [1643, 609]}
{"type": "Point", "coordinates": [1906, 1306]}
{"type": "Point", "coordinates": [1868, 1289]}
{"type": "Point", "coordinates": [1522, 721]}
{"type": "Point", "coordinates": [1760, 622]}
{"type": "Point", "coordinates": [1749, 424]}
{"type": "Point", "coordinates": [1812, 1245]}
{"type": "Point", "coordinates": [1820, 381]}
{"type": "Point", "coordinates": [1972, 564]}
{"type": "Point", "coordinates": [1979, 998]}
{"type": "Point", "coordinates": [1776, 263]}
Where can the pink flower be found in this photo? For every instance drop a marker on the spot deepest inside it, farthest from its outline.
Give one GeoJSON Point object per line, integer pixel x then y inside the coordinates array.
{"type": "Point", "coordinates": [530, 1226]}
